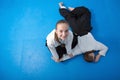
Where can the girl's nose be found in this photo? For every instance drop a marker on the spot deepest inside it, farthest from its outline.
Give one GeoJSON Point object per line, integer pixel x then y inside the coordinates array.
{"type": "Point", "coordinates": [64, 34]}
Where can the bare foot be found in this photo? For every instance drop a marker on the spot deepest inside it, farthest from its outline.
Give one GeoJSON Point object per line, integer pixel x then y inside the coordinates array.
{"type": "Point", "coordinates": [71, 8]}
{"type": "Point", "coordinates": [60, 4]}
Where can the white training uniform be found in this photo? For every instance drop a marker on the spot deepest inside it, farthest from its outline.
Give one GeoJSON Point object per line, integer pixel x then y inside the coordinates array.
{"type": "Point", "coordinates": [88, 43]}
{"type": "Point", "coordinates": [52, 43]}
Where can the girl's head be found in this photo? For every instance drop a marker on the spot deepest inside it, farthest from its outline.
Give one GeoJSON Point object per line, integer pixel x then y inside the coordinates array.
{"type": "Point", "coordinates": [62, 28]}
{"type": "Point", "coordinates": [89, 56]}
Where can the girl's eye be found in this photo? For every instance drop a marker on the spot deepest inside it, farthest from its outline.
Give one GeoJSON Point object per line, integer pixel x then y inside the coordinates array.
{"type": "Point", "coordinates": [66, 31]}
{"type": "Point", "coordinates": [61, 31]}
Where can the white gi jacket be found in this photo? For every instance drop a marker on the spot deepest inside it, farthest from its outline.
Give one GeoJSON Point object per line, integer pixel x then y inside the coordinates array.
{"type": "Point", "coordinates": [52, 43]}
{"type": "Point", "coordinates": [88, 43]}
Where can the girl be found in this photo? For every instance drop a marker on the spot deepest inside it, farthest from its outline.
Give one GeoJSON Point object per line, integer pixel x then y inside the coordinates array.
{"type": "Point", "coordinates": [61, 41]}
{"type": "Point", "coordinates": [79, 20]}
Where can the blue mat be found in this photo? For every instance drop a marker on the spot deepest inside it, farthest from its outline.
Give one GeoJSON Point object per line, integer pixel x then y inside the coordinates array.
{"type": "Point", "coordinates": [24, 25]}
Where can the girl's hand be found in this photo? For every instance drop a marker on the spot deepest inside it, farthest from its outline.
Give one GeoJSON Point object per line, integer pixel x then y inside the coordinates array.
{"type": "Point", "coordinates": [97, 58]}
{"type": "Point", "coordinates": [56, 60]}
{"type": "Point", "coordinates": [70, 55]}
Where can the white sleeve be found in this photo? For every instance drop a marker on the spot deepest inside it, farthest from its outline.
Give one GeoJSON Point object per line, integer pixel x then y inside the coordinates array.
{"type": "Point", "coordinates": [69, 43]}
{"type": "Point", "coordinates": [52, 50]}
{"type": "Point", "coordinates": [102, 48]}
{"type": "Point", "coordinates": [51, 44]}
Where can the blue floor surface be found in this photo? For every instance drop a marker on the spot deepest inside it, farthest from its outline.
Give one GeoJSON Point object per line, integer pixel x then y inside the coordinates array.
{"type": "Point", "coordinates": [24, 25]}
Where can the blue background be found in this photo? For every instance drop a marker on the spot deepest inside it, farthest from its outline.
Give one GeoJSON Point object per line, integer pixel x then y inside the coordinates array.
{"type": "Point", "coordinates": [24, 25]}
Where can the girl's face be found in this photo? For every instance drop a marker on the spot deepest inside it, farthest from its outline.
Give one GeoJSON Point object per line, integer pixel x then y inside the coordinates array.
{"type": "Point", "coordinates": [92, 55]}
{"type": "Point", "coordinates": [62, 30]}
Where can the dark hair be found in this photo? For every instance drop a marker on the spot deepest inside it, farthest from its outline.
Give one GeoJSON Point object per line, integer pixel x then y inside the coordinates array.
{"type": "Point", "coordinates": [87, 57]}
{"type": "Point", "coordinates": [61, 21]}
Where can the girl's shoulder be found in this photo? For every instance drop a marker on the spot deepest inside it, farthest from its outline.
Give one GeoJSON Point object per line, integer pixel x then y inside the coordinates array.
{"type": "Point", "coordinates": [51, 35]}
